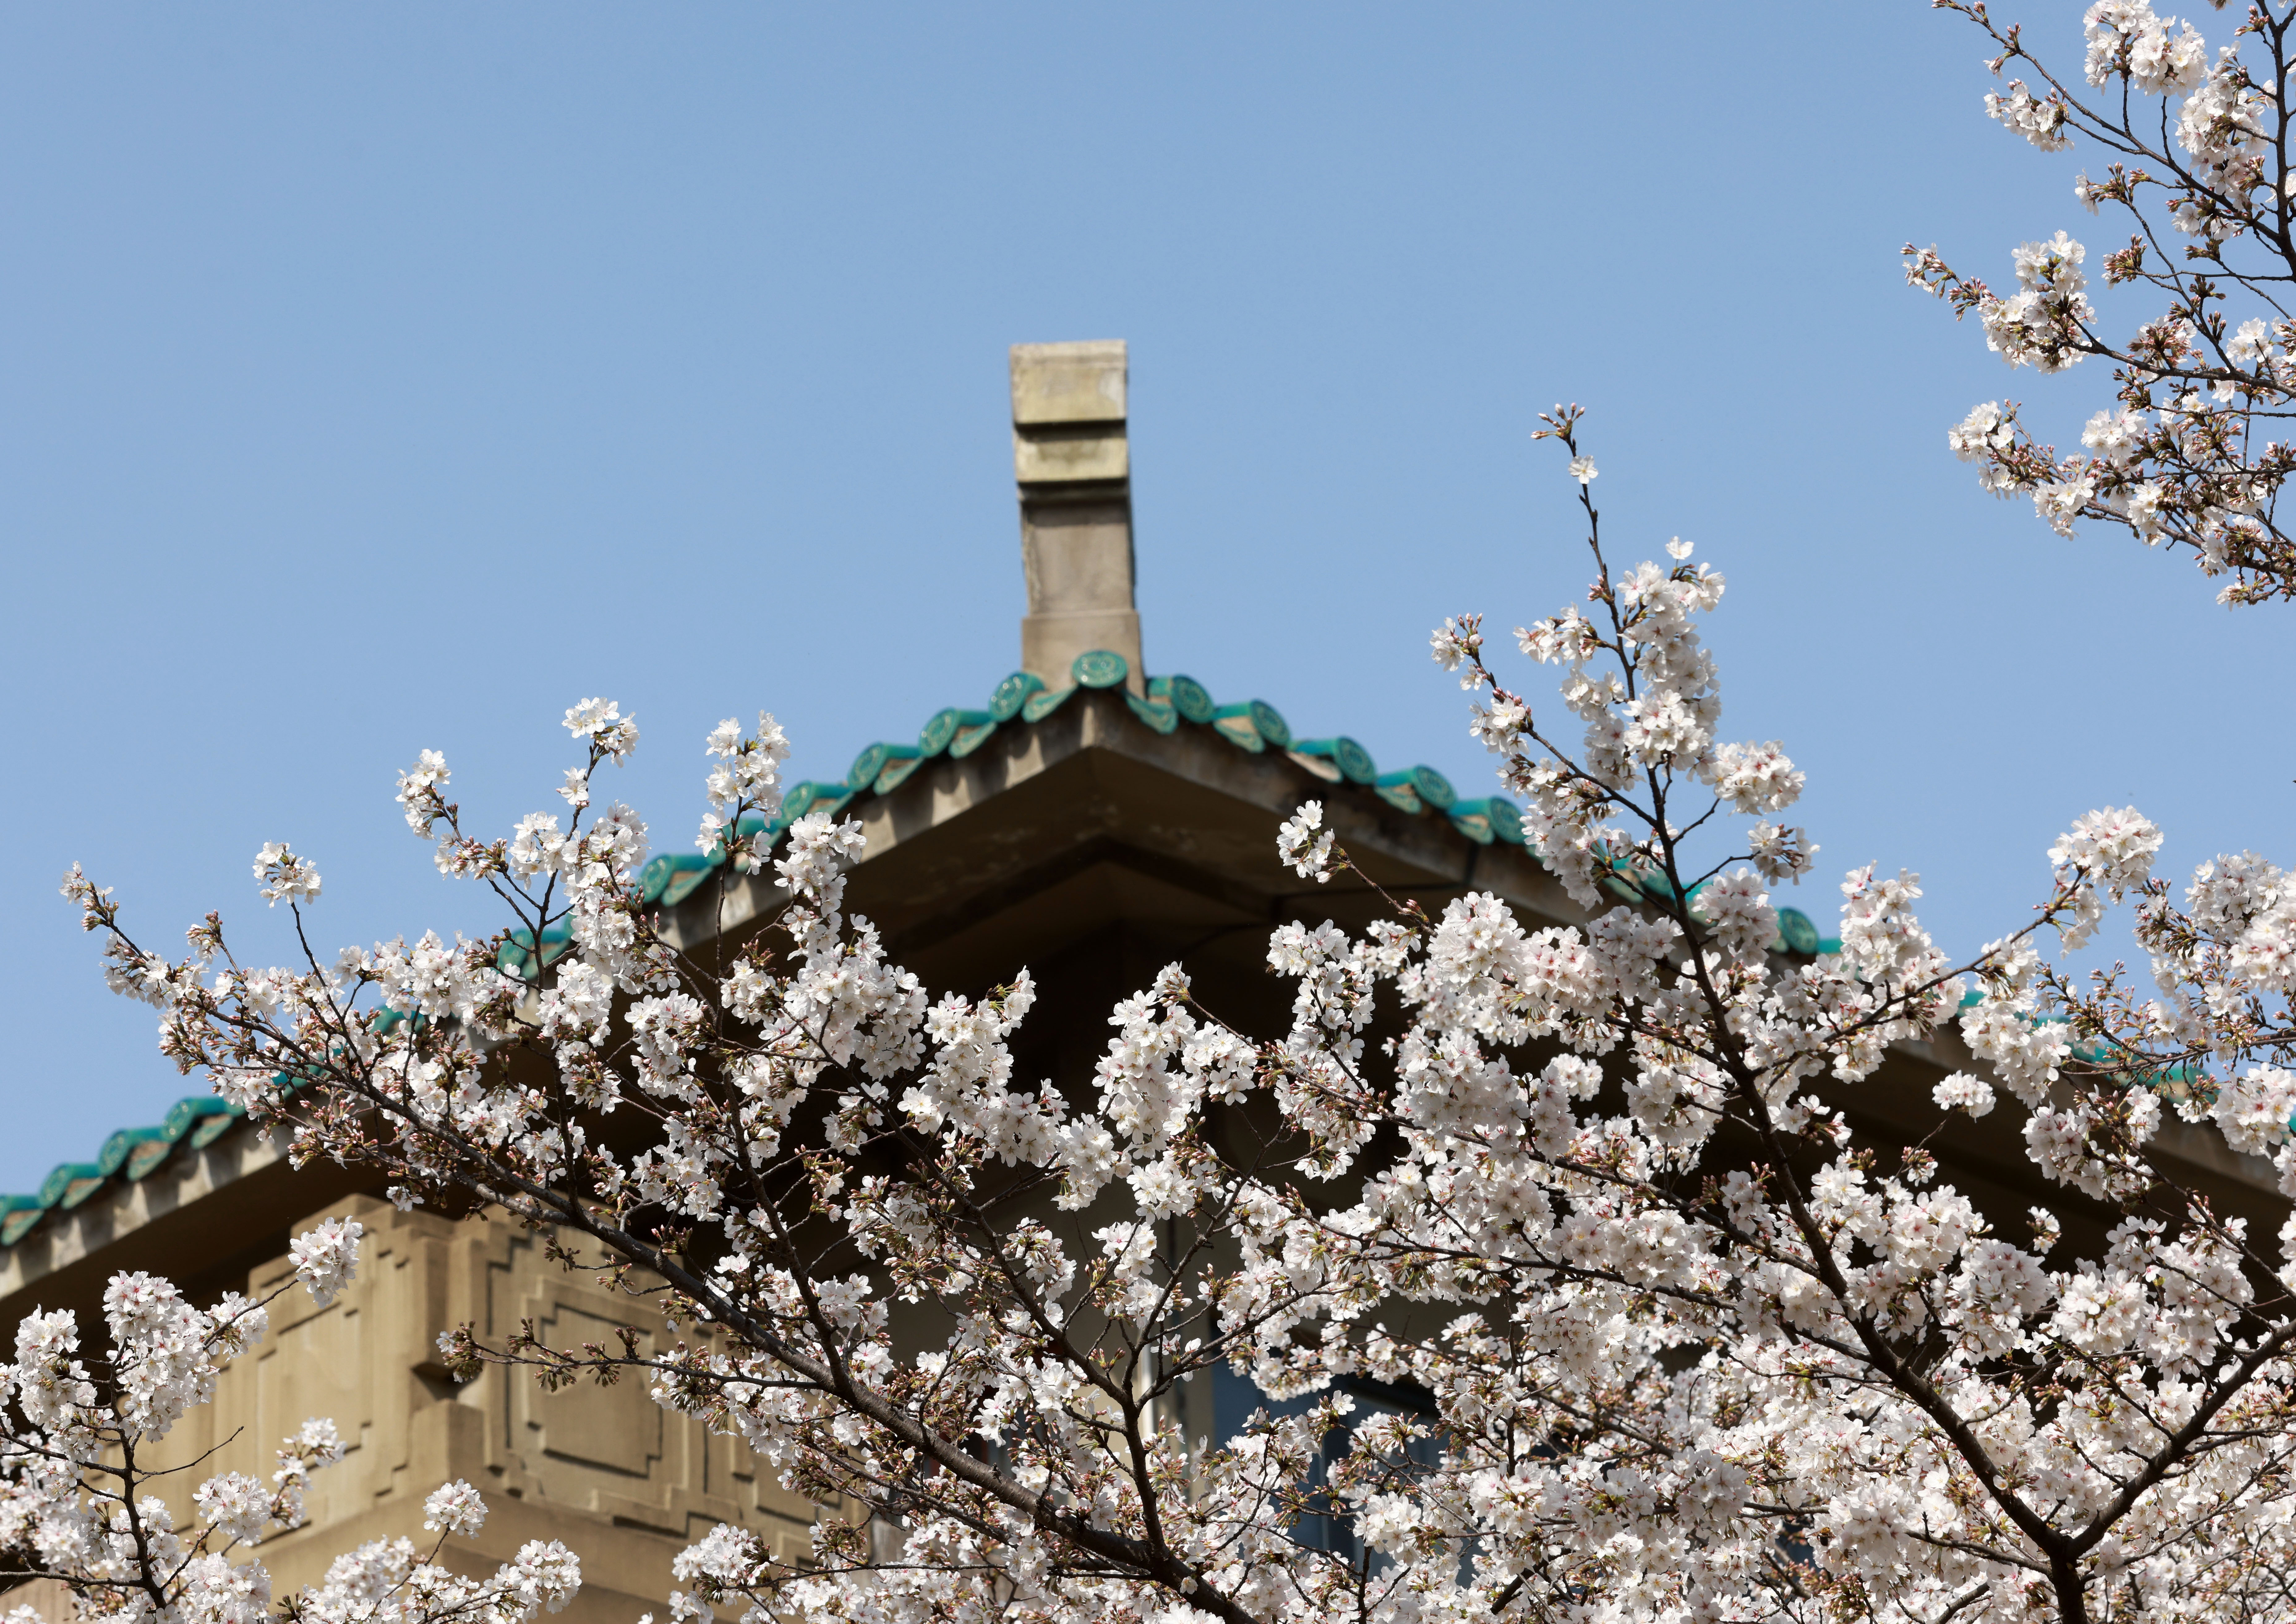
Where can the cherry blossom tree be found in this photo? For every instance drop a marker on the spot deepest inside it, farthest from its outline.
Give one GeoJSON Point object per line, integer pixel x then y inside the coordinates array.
{"type": "Point", "coordinates": [1687, 1351]}
{"type": "Point", "coordinates": [1686, 1347]}
{"type": "Point", "coordinates": [2192, 160]}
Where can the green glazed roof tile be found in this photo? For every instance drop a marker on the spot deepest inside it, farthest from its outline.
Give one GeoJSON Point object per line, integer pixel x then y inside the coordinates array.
{"type": "Point", "coordinates": [1494, 813]}
{"type": "Point", "coordinates": [389, 1019]}
{"type": "Point", "coordinates": [1013, 693]}
{"type": "Point", "coordinates": [1042, 702]}
{"type": "Point", "coordinates": [665, 879]}
{"type": "Point", "coordinates": [971, 737]}
{"type": "Point", "coordinates": [1100, 669]}
{"type": "Point", "coordinates": [810, 797]}
{"type": "Point", "coordinates": [145, 1159]}
{"type": "Point", "coordinates": [1409, 789]}
{"type": "Point", "coordinates": [935, 735]}
{"type": "Point", "coordinates": [1254, 724]}
{"type": "Point", "coordinates": [1796, 933]}
{"type": "Point", "coordinates": [897, 772]}
{"type": "Point", "coordinates": [873, 761]}
{"type": "Point", "coordinates": [127, 1155]}
{"type": "Point", "coordinates": [63, 1176]}
{"type": "Point", "coordinates": [688, 869]}
{"type": "Point", "coordinates": [118, 1148]}
{"type": "Point", "coordinates": [1158, 714]}
{"type": "Point", "coordinates": [1353, 760]}
{"type": "Point", "coordinates": [1192, 700]}
{"type": "Point", "coordinates": [184, 1114]}
{"type": "Point", "coordinates": [1433, 788]}
{"type": "Point", "coordinates": [1236, 728]}
{"type": "Point", "coordinates": [212, 1129]}
{"type": "Point", "coordinates": [518, 953]}
{"type": "Point", "coordinates": [1186, 696]}
{"type": "Point", "coordinates": [16, 1225]}
{"type": "Point", "coordinates": [1470, 819]}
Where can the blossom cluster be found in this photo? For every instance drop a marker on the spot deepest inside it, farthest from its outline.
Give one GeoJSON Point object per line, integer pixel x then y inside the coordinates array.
{"type": "Point", "coordinates": [2189, 453]}
{"type": "Point", "coordinates": [80, 1478]}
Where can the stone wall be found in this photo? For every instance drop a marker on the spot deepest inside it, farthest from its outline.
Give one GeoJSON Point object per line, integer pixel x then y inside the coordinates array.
{"type": "Point", "coordinates": [622, 1481]}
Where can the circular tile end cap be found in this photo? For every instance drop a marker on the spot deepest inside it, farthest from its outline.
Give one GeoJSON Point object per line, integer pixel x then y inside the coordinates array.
{"type": "Point", "coordinates": [1100, 668]}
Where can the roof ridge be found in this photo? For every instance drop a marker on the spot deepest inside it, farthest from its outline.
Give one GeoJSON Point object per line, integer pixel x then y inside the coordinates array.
{"type": "Point", "coordinates": [1254, 725]}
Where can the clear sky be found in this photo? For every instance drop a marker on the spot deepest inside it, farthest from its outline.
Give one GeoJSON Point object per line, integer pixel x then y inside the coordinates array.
{"type": "Point", "coordinates": [382, 378]}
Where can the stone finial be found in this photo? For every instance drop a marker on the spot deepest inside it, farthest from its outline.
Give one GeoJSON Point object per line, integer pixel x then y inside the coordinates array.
{"type": "Point", "coordinates": [1075, 474]}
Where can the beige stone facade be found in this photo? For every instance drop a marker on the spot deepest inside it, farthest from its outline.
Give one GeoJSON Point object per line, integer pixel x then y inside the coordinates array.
{"type": "Point", "coordinates": [626, 1482]}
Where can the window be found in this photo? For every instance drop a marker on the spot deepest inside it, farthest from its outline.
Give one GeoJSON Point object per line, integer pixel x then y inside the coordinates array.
{"type": "Point", "coordinates": [1236, 1398]}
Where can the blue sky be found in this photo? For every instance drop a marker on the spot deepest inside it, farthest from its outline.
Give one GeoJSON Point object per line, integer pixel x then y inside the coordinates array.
{"type": "Point", "coordinates": [376, 379]}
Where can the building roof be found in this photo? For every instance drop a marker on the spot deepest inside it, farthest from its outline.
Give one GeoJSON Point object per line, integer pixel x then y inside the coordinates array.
{"type": "Point", "coordinates": [130, 1155]}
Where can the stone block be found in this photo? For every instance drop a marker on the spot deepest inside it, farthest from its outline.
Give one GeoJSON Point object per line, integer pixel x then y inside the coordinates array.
{"type": "Point", "coordinates": [1041, 459]}
{"type": "Point", "coordinates": [1073, 382]}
